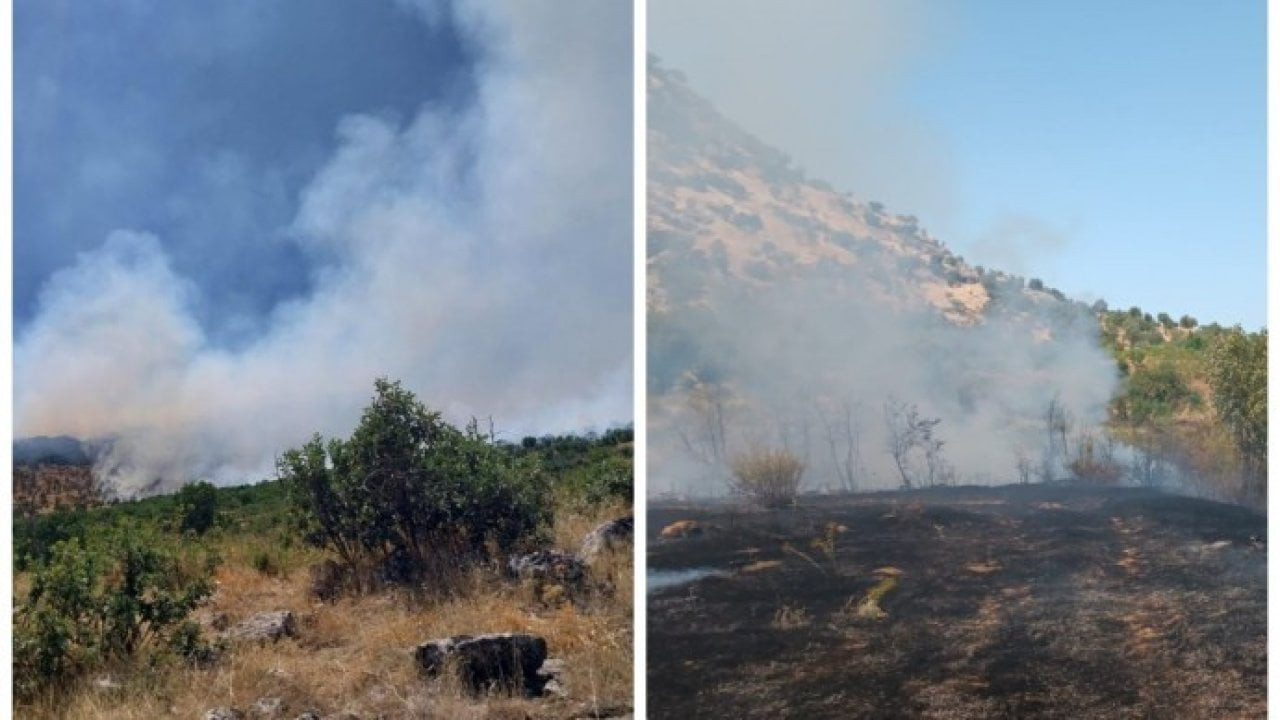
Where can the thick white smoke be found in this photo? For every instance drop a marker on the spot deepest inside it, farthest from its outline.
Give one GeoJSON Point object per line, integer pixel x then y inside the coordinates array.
{"type": "Point", "coordinates": [482, 258]}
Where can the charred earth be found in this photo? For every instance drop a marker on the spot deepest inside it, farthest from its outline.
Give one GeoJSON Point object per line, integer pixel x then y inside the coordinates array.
{"type": "Point", "coordinates": [1004, 602]}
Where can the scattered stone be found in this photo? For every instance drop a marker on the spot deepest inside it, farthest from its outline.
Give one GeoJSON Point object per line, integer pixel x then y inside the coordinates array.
{"type": "Point", "coordinates": [106, 683]}
{"type": "Point", "coordinates": [269, 707]}
{"type": "Point", "coordinates": [681, 529]}
{"type": "Point", "coordinates": [308, 715]}
{"type": "Point", "coordinates": [224, 713]}
{"type": "Point", "coordinates": [608, 535]}
{"type": "Point", "coordinates": [549, 565]}
{"type": "Point", "coordinates": [486, 662]}
{"type": "Point", "coordinates": [552, 672]}
{"type": "Point", "coordinates": [266, 626]}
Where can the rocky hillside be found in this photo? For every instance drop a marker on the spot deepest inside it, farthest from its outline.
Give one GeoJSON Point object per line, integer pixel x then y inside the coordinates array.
{"type": "Point", "coordinates": [52, 472]}
{"type": "Point", "coordinates": [723, 206]}
{"type": "Point", "coordinates": [768, 290]}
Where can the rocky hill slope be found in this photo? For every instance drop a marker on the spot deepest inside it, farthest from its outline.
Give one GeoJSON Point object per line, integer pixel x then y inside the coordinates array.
{"type": "Point", "coordinates": [770, 290]}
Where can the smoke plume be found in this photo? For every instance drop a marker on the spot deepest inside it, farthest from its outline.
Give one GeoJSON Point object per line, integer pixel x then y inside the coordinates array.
{"type": "Point", "coordinates": [482, 256]}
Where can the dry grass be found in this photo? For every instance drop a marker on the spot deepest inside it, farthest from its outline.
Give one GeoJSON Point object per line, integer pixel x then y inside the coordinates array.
{"type": "Point", "coordinates": [355, 656]}
{"type": "Point", "coordinates": [769, 478]}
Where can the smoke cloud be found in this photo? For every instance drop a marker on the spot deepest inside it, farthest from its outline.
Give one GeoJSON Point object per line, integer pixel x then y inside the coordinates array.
{"type": "Point", "coordinates": [482, 255]}
{"type": "Point", "coordinates": [812, 364]}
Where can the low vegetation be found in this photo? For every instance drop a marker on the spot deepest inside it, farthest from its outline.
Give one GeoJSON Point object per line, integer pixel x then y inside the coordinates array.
{"type": "Point", "coordinates": [1192, 400]}
{"type": "Point", "coordinates": [128, 610]}
{"type": "Point", "coordinates": [769, 477]}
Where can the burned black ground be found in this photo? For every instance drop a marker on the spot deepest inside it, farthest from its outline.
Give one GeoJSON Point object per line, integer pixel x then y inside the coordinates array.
{"type": "Point", "coordinates": [1012, 602]}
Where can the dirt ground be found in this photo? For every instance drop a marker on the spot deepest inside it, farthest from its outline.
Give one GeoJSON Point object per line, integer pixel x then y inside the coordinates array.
{"type": "Point", "coordinates": [1013, 602]}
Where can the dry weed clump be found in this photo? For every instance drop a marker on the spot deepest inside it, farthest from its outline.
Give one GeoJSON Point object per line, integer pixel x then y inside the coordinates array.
{"type": "Point", "coordinates": [355, 656]}
{"type": "Point", "coordinates": [790, 617]}
{"type": "Point", "coordinates": [770, 478]}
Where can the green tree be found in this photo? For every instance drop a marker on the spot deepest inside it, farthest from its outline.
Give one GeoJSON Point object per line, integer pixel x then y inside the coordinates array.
{"type": "Point", "coordinates": [1238, 377]}
{"type": "Point", "coordinates": [412, 490]}
{"type": "Point", "coordinates": [197, 507]}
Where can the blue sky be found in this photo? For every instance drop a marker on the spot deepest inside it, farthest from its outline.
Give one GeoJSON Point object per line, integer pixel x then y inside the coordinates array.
{"type": "Point", "coordinates": [231, 217]}
{"type": "Point", "coordinates": [1116, 150]}
{"type": "Point", "coordinates": [201, 123]}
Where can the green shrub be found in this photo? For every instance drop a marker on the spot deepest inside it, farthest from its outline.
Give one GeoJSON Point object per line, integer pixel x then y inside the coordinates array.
{"type": "Point", "coordinates": [89, 605]}
{"type": "Point", "coordinates": [1154, 393]}
{"type": "Point", "coordinates": [197, 507]}
{"type": "Point", "coordinates": [1238, 376]}
{"type": "Point", "coordinates": [409, 489]}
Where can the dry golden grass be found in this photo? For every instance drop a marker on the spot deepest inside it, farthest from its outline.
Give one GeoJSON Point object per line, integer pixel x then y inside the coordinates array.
{"type": "Point", "coordinates": [356, 655]}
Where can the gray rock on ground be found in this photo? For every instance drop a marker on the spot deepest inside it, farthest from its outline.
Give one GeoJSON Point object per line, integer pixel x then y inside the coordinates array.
{"type": "Point", "coordinates": [269, 707]}
{"type": "Point", "coordinates": [266, 626]}
{"type": "Point", "coordinates": [223, 713]}
{"type": "Point", "coordinates": [552, 673]}
{"type": "Point", "coordinates": [485, 662]}
{"type": "Point", "coordinates": [610, 535]}
{"type": "Point", "coordinates": [549, 565]}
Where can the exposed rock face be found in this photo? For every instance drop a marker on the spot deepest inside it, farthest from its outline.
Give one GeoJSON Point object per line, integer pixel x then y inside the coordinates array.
{"type": "Point", "coordinates": [485, 662]}
{"type": "Point", "coordinates": [223, 713]}
{"type": "Point", "coordinates": [266, 626]}
{"type": "Point", "coordinates": [550, 566]}
{"type": "Point", "coordinates": [607, 536]}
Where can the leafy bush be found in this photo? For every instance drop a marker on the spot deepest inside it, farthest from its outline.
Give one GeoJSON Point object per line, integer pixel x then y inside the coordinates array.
{"type": "Point", "coordinates": [92, 604]}
{"type": "Point", "coordinates": [410, 490]}
{"type": "Point", "coordinates": [1154, 393]}
{"type": "Point", "coordinates": [1238, 376]}
{"type": "Point", "coordinates": [197, 507]}
{"type": "Point", "coordinates": [770, 478]}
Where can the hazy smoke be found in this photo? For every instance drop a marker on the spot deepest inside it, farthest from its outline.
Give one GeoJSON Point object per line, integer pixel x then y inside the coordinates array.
{"type": "Point", "coordinates": [810, 363]}
{"type": "Point", "coordinates": [761, 336]}
{"type": "Point", "coordinates": [484, 258]}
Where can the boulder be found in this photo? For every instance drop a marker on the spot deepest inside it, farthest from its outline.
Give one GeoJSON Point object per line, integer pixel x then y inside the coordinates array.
{"type": "Point", "coordinates": [486, 662]}
{"type": "Point", "coordinates": [266, 626]}
{"type": "Point", "coordinates": [223, 713]}
{"type": "Point", "coordinates": [550, 566]}
{"type": "Point", "coordinates": [607, 536]}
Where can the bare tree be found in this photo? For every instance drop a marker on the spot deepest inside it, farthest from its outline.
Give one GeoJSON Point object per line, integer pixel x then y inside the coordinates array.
{"type": "Point", "coordinates": [1023, 463]}
{"type": "Point", "coordinates": [843, 441]}
{"type": "Point", "coordinates": [704, 437]}
{"type": "Point", "coordinates": [1057, 424]}
{"type": "Point", "coordinates": [908, 431]}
